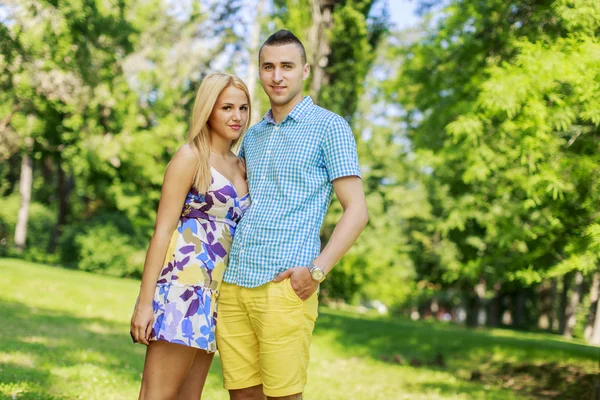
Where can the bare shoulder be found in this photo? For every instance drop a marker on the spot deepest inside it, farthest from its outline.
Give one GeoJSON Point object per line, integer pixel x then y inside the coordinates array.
{"type": "Point", "coordinates": [185, 158]}
{"type": "Point", "coordinates": [185, 153]}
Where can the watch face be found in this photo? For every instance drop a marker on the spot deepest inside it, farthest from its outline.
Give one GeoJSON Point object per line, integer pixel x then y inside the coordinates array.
{"type": "Point", "coordinates": [317, 274]}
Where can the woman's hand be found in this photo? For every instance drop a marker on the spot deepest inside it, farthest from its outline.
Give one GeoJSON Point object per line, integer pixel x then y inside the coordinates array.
{"type": "Point", "coordinates": [141, 323]}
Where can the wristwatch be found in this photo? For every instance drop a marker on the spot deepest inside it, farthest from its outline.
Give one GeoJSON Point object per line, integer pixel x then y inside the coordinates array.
{"type": "Point", "coordinates": [316, 273]}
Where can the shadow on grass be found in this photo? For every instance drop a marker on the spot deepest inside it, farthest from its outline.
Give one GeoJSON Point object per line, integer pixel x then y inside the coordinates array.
{"type": "Point", "coordinates": [47, 340]}
{"type": "Point", "coordinates": [496, 357]}
{"type": "Point", "coordinates": [22, 378]}
{"type": "Point", "coordinates": [543, 381]}
{"type": "Point", "coordinates": [379, 337]}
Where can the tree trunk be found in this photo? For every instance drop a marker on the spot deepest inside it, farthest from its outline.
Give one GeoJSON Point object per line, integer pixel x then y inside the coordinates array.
{"type": "Point", "coordinates": [507, 316]}
{"type": "Point", "coordinates": [571, 312]}
{"type": "Point", "coordinates": [318, 43]}
{"type": "Point", "coordinates": [520, 319]}
{"type": "Point", "coordinates": [595, 337]}
{"type": "Point", "coordinates": [474, 305]}
{"type": "Point", "coordinates": [252, 76]}
{"type": "Point", "coordinates": [494, 312]}
{"type": "Point", "coordinates": [25, 184]}
{"type": "Point", "coordinates": [64, 188]}
{"type": "Point", "coordinates": [544, 291]}
{"type": "Point", "coordinates": [472, 309]}
{"type": "Point", "coordinates": [592, 316]}
{"type": "Point", "coordinates": [564, 303]}
{"type": "Point", "coordinates": [553, 316]}
{"type": "Point", "coordinates": [494, 307]}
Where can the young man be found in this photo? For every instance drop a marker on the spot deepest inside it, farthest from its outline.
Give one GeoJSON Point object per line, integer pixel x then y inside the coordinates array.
{"type": "Point", "coordinates": [295, 157]}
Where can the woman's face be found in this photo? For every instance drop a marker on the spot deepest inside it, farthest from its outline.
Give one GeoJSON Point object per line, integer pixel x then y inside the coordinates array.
{"type": "Point", "coordinates": [230, 114]}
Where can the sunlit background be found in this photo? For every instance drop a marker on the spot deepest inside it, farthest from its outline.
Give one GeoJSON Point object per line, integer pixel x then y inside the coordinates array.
{"type": "Point", "coordinates": [476, 123]}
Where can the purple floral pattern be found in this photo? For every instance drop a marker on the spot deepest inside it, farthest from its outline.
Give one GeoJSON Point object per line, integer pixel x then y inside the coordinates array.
{"type": "Point", "coordinates": [185, 300]}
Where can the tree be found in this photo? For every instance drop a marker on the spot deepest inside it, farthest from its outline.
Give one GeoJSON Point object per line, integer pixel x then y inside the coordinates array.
{"type": "Point", "coordinates": [499, 105]}
{"type": "Point", "coordinates": [341, 38]}
{"type": "Point", "coordinates": [103, 92]}
{"type": "Point", "coordinates": [252, 73]}
{"type": "Point", "coordinates": [59, 54]}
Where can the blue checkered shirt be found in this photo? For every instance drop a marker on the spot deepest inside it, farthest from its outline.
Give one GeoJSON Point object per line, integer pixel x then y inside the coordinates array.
{"type": "Point", "coordinates": [290, 169]}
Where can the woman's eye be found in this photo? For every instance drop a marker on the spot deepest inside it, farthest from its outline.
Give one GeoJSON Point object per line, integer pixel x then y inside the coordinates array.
{"type": "Point", "coordinates": [244, 108]}
{"type": "Point", "coordinates": [227, 108]}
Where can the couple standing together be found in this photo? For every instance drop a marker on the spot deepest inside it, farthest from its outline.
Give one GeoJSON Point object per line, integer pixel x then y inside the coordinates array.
{"type": "Point", "coordinates": [247, 237]}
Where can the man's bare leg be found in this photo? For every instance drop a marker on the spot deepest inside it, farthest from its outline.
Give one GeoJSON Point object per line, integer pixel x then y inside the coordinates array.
{"type": "Point", "coordinates": [251, 393]}
{"type": "Point", "coordinates": [297, 396]}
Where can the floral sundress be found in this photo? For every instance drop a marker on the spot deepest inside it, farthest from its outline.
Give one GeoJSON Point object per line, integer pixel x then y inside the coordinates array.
{"type": "Point", "coordinates": [185, 299]}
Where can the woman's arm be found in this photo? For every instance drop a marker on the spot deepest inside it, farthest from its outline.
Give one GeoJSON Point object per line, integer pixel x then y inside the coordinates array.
{"type": "Point", "coordinates": [176, 185]}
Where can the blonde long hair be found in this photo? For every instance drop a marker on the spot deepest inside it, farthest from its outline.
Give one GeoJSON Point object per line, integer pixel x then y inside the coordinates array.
{"type": "Point", "coordinates": [199, 133]}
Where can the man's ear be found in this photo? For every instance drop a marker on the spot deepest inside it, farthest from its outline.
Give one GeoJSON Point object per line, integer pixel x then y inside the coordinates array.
{"type": "Point", "coordinates": [306, 72]}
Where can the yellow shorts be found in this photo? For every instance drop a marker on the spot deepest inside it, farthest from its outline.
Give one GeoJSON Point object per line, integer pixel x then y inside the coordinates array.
{"type": "Point", "coordinates": [263, 337]}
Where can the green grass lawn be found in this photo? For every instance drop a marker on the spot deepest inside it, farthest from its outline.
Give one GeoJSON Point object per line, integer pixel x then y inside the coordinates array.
{"type": "Point", "coordinates": [64, 335]}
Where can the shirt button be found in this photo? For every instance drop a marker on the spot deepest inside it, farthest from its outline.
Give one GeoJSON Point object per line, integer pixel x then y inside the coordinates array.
{"type": "Point", "coordinates": [263, 177]}
{"type": "Point", "coordinates": [276, 128]}
{"type": "Point", "coordinates": [268, 151]}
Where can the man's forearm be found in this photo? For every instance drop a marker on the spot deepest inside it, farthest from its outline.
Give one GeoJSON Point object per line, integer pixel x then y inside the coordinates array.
{"type": "Point", "coordinates": [353, 221]}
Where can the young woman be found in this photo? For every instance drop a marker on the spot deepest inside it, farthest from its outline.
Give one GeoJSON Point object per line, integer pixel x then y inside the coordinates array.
{"type": "Point", "coordinates": [204, 195]}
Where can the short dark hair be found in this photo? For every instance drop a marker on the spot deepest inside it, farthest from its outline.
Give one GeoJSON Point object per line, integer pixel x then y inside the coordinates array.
{"type": "Point", "coordinates": [281, 38]}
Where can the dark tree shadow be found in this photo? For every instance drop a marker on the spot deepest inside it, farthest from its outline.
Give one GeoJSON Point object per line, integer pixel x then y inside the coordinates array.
{"type": "Point", "coordinates": [60, 338]}
{"type": "Point", "coordinates": [466, 353]}
{"type": "Point", "coordinates": [378, 336]}
{"type": "Point", "coordinates": [15, 373]}
{"type": "Point", "coordinates": [543, 381]}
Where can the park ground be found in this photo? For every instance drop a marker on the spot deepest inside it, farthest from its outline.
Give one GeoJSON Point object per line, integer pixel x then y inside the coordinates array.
{"type": "Point", "coordinates": [64, 335]}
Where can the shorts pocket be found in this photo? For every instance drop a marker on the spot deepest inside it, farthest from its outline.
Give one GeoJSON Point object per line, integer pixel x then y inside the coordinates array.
{"type": "Point", "coordinates": [290, 290]}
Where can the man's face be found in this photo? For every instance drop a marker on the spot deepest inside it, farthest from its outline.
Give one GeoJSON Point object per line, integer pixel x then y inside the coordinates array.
{"type": "Point", "coordinates": [282, 73]}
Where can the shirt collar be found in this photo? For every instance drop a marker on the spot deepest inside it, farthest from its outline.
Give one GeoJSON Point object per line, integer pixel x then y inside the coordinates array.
{"type": "Point", "coordinates": [296, 114]}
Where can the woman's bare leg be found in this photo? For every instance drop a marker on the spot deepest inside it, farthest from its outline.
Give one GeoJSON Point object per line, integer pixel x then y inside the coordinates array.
{"type": "Point", "coordinates": [166, 367]}
{"type": "Point", "coordinates": [196, 377]}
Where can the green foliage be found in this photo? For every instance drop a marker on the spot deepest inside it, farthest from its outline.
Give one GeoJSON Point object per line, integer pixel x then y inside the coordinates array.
{"type": "Point", "coordinates": [502, 109]}
{"type": "Point", "coordinates": [39, 229]}
{"type": "Point", "coordinates": [353, 39]}
{"type": "Point", "coordinates": [102, 92]}
{"type": "Point", "coordinates": [104, 249]}
{"type": "Point", "coordinates": [106, 244]}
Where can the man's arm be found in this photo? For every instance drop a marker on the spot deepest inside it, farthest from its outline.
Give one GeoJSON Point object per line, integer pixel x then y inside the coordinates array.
{"type": "Point", "coordinates": [350, 193]}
